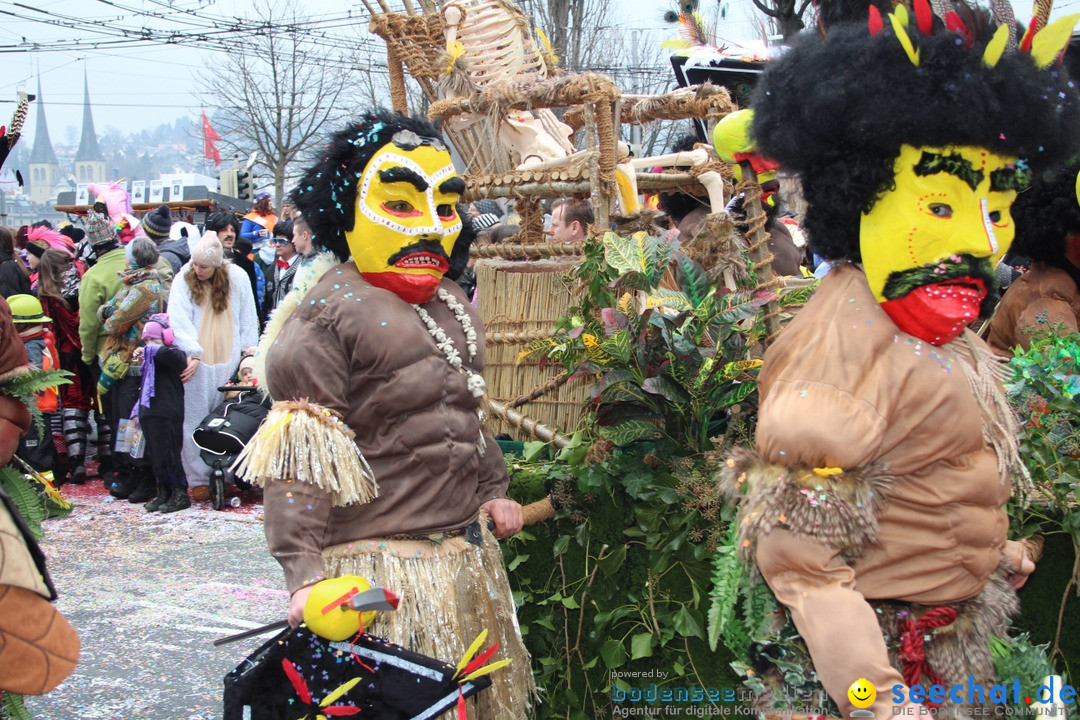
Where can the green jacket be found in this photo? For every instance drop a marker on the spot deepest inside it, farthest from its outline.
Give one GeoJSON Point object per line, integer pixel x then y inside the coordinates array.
{"type": "Point", "coordinates": [99, 285]}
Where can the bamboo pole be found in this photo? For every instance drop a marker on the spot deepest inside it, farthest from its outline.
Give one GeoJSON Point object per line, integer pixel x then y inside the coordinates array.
{"type": "Point", "coordinates": [534, 428]}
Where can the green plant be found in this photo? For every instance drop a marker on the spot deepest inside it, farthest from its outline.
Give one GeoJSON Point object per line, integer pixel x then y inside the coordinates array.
{"type": "Point", "coordinates": [25, 387]}
{"type": "Point", "coordinates": [1045, 392]}
{"type": "Point", "coordinates": [627, 580]}
{"type": "Point", "coordinates": [668, 349]}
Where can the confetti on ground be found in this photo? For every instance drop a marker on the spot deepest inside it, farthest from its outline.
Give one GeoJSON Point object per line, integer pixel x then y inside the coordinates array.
{"type": "Point", "coordinates": [148, 593]}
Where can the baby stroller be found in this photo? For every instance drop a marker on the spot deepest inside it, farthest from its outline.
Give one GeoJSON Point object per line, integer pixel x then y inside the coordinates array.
{"type": "Point", "coordinates": [222, 435]}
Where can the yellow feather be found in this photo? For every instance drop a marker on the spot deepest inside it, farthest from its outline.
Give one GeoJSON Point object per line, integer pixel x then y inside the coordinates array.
{"type": "Point", "coordinates": [342, 689]}
{"type": "Point", "coordinates": [627, 199]}
{"type": "Point", "coordinates": [901, 13]}
{"type": "Point", "coordinates": [677, 44]}
{"type": "Point", "coordinates": [547, 45]}
{"type": "Point", "coordinates": [485, 670]}
{"type": "Point", "coordinates": [1078, 188]}
{"type": "Point", "coordinates": [996, 46]}
{"type": "Point", "coordinates": [472, 650]}
{"type": "Point", "coordinates": [453, 52]}
{"type": "Point", "coordinates": [1052, 39]}
{"type": "Point", "coordinates": [900, 28]}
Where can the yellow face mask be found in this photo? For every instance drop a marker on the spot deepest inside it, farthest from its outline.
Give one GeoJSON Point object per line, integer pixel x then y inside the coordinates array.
{"type": "Point", "coordinates": [929, 246]}
{"type": "Point", "coordinates": [406, 221]}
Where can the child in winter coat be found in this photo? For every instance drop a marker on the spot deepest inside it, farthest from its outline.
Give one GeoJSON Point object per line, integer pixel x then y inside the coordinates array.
{"type": "Point", "coordinates": [30, 320]}
{"type": "Point", "coordinates": [160, 410]}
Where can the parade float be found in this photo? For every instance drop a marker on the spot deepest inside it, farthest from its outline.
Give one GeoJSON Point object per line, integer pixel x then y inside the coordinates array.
{"type": "Point", "coordinates": [625, 367]}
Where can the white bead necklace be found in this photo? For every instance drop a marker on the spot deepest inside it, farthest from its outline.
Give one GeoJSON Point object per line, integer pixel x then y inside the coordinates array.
{"type": "Point", "coordinates": [445, 343]}
{"type": "Point", "coordinates": [474, 382]}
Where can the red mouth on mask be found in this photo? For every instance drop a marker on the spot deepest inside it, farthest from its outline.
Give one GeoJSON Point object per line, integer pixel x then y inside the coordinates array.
{"type": "Point", "coordinates": [938, 312]}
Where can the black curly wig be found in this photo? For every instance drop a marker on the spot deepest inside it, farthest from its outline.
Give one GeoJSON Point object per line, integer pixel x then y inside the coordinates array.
{"type": "Point", "coordinates": [1045, 213]}
{"type": "Point", "coordinates": [836, 110]}
{"type": "Point", "coordinates": [326, 194]}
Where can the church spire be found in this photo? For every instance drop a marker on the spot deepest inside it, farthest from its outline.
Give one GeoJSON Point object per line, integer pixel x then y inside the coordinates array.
{"type": "Point", "coordinates": [88, 145]}
{"type": "Point", "coordinates": [42, 152]}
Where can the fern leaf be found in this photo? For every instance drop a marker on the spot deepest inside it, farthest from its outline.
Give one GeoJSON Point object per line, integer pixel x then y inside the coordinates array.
{"type": "Point", "coordinates": [724, 595]}
{"type": "Point", "coordinates": [29, 503]}
{"type": "Point", "coordinates": [14, 708]}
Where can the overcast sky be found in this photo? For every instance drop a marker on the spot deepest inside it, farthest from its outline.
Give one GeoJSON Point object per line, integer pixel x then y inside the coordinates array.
{"type": "Point", "coordinates": [137, 87]}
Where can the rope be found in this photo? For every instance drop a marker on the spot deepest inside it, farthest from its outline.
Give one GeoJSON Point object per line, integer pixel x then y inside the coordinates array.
{"type": "Point", "coordinates": [513, 251]}
{"type": "Point", "coordinates": [552, 92]}
{"type": "Point", "coordinates": [534, 428]}
{"type": "Point", "coordinates": [758, 250]}
{"type": "Point", "coordinates": [912, 653]}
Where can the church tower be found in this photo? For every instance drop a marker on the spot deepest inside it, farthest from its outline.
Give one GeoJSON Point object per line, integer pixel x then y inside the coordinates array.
{"type": "Point", "coordinates": [89, 162]}
{"type": "Point", "coordinates": [44, 167]}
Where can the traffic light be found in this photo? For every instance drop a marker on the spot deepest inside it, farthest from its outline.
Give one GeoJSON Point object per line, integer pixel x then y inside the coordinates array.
{"type": "Point", "coordinates": [244, 190]}
{"type": "Point", "coordinates": [227, 182]}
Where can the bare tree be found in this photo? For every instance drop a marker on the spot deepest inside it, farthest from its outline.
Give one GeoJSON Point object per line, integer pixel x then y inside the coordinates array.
{"type": "Point", "coordinates": [277, 91]}
{"type": "Point", "coordinates": [787, 14]}
{"type": "Point", "coordinates": [575, 29]}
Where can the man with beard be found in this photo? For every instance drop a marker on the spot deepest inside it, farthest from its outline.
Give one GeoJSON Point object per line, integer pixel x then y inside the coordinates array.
{"type": "Point", "coordinates": [885, 449]}
{"type": "Point", "coordinates": [373, 459]}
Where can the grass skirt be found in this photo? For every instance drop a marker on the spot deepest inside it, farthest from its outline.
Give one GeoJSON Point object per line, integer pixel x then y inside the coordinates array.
{"type": "Point", "coordinates": [449, 593]}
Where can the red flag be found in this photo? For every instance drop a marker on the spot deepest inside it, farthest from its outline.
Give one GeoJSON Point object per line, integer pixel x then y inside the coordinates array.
{"type": "Point", "coordinates": [210, 136]}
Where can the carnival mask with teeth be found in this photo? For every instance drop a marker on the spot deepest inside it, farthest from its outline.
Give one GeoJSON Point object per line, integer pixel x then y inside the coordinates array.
{"type": "Point", "coordinates": [406, 222]}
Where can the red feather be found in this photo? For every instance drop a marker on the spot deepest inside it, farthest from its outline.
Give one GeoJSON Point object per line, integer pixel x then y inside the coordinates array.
{"type": "Point", "coordinates": [875, 22]}
{"type": "Point", "coordinates": [1025, 44]}
{"type": "Point", "coordinates": [298, 682]}
{"type": "Point", "coordinates": [340, 710]}
{"type": "Point", "coordinates": [478, 661]}
{"type": "Point", "coordinates": [956, 25]}
{"type": "Point", "coordinates": [461, 713]}
{"type": "Point", "coordinates": [924, 17]}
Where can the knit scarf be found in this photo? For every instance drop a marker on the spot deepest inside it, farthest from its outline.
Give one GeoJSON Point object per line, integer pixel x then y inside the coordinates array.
{"type": "Point", "coordinates": [148, 379]}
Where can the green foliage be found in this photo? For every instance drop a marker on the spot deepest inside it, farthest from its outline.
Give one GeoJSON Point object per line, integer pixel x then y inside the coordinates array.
{"type": "Point", "coordinates": [14, 708]}
{"type": "Point", "coordinates": [26, 386]}
{"type": "Point", "coordinates": [669, 353]}
{"type": "Point", "coordinates": [1045, 392]}
{"type": "Point", "coordinates": [628, 584]}
{"type": "Point", "coordinates": [30, 503]}
{"type": "Point", "coordinates": [1020, 658]}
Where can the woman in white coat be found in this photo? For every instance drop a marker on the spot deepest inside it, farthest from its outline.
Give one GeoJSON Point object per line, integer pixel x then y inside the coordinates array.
{"type": "Point", "coordinates": [213, 317]}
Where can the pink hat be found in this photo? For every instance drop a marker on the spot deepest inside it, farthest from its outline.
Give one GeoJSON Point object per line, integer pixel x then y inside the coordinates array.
{"type": "Point", "coordinates": [157, 328]}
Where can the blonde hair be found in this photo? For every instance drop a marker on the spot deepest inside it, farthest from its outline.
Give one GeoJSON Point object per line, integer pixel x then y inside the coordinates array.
{"type": "Point", "coordinates": [219, 287]}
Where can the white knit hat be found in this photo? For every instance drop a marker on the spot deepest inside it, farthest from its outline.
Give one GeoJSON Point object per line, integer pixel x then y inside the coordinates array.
{"type": "Point", "coordinates": [209, 251]}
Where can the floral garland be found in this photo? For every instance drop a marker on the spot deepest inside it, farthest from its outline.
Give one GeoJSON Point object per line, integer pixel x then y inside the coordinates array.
{"type": "Point", "coordinates": [474, 382]}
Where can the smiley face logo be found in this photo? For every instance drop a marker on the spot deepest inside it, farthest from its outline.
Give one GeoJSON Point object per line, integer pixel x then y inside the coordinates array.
{"type": "Point", "coordinates": [861, 693]}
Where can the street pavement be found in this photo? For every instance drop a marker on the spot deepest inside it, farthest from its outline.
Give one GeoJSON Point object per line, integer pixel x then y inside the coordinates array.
{"type": "Point", "coordinates": [147, 594]}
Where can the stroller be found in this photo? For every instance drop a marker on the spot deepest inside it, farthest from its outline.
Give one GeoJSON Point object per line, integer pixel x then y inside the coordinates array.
{"type": "Point", "coordinates": [222, 435]}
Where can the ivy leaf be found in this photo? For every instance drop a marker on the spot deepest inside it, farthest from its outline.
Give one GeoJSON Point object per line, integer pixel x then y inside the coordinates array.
{"type": "Point", "coordinates": [571, 603]}
{"type": "Point", "coordinates": [692, 278]}
{"type": "Point", "coordinates": [612, 653]}
{"type": "Point", "coordinates": [516, 561]}
{"type": "Point", "coordinates": [545, 623]}
{"type": "Point", "coordinates": [641, 646]}
{"type": "Point", "coordinates": [533, 449]}
{"type": "Point", "coordinates": [688, 623]}
{"type": "Point", "coordinates": [561, 543]}
{"type": "Point", "coordinates": [630, 431]}
{"type": "Point", "coordinates": [610, 563]}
